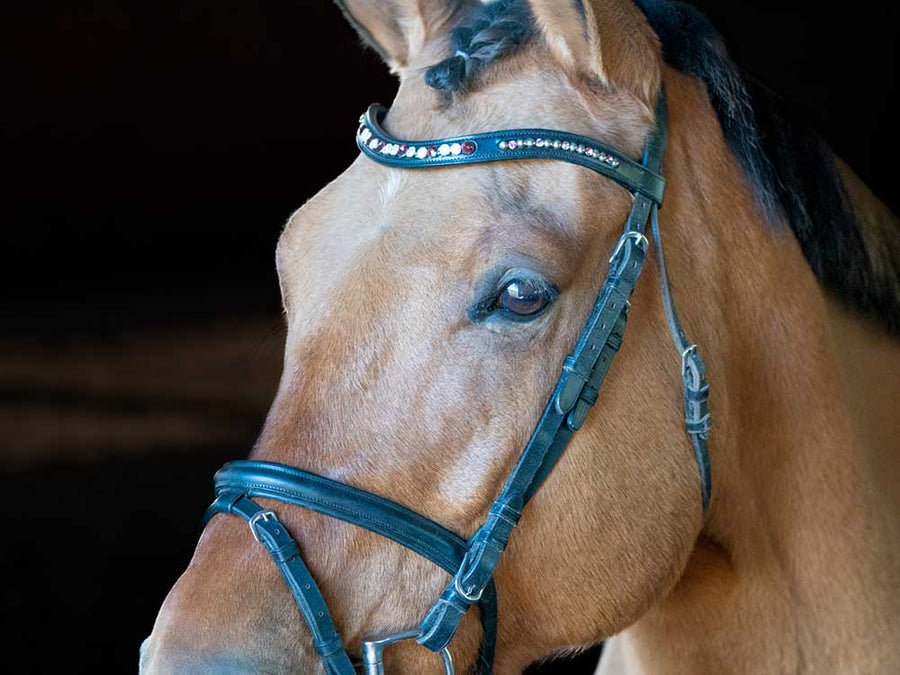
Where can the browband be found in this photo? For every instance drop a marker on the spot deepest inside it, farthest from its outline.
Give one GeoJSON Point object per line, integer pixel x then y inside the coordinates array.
{"type": "Point", "coordinates": [496, 146]}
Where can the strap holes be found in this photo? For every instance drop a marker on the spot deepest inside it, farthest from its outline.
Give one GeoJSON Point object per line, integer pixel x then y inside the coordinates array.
{"type": "Point", "coordinates": [602, 326]}
{"type": "Point", "coordinates": [613, 305]}
{"type": "Point", "coordinates": [307, 587]}
{"type": "Point", "coordinates": [277, 531]}
{"type": "Point", "coordinates": [321, 614]}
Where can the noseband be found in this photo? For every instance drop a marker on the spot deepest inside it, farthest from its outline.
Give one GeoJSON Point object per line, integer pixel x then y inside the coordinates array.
{"type": "Point", "coordinates": [471, 563]}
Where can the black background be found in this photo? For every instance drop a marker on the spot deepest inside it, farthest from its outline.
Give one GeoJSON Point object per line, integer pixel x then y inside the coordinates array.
{"type": "Point", "coordinates": [152, 153]}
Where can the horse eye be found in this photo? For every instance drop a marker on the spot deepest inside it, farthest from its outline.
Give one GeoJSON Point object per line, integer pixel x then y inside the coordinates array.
{"type": "Point", "coordinates": [525, 297]}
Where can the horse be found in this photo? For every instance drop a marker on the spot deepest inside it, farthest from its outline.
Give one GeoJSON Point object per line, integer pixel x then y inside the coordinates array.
{"type": "Point", "coordinates": [429, 315]}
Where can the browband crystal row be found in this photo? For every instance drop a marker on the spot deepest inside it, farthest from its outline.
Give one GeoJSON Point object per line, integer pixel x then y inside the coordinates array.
{"type": "Point", "coordinates": [380, 146]}
{"type": "Point", "coordinates": [511, 144]}
{"type": "Point", "coordinates": [408, 151]}
{"type": "Point", "coordinates": [556, 144]}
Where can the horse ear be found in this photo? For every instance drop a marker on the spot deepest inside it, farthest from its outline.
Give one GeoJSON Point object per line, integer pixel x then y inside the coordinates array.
{"type": "Point", "coordinates": [399, 30]}
{"type": "Point", "coordinates": [606, 40]}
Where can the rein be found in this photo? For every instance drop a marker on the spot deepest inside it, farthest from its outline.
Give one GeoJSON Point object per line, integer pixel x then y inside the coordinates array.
{"type": "Point", "coordinates": [471, 563]}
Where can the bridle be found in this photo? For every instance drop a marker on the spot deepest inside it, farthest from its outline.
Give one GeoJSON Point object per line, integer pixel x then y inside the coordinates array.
{"type": "Point", "coordinates": [471, 563]}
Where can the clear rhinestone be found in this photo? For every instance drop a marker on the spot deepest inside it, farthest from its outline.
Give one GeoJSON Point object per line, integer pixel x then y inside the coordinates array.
{"type": "Point", "coordinates": [529, 142]}
{"type": "Point", "coordinates": [455, 148]}
{"type": "Point", "coordinates": [422, 153]}
{"type": "Point", "coordinates": [373, 144]}
{"type": "Point", "coordinates": [556, 144]}
{"type": "Point", "coordinates": [565, 145]}
{"type": "Point", "coordinates": [410, 151]}
{"type": "Point", "coordinates": [444, 149]}
{"type": "Point", "coordinates": [502, 145]}
{"type": "Point", "coordinates": [365, 134]}
{"type": "Point", "coordinates": [580, 149]}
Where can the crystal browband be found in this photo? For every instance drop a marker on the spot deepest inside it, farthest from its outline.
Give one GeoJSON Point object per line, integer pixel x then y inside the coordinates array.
{"type": "Point", "coordinates": [376, 143]}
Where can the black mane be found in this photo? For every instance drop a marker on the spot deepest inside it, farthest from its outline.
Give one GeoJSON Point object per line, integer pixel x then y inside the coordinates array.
{"type": "Point", "coordinates": [791, 170]}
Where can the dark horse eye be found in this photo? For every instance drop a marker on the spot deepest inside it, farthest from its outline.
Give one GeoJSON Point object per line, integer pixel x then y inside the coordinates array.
{"type": "Point", "coordinates": [524, 297]}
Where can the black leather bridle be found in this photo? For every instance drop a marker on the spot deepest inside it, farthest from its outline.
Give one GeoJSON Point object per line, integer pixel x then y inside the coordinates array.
{"type": "Point", "coordinates": [471, 563]}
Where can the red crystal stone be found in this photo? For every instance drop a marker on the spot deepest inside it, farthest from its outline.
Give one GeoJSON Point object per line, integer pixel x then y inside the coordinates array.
{"type": "Point", "coordinates": [467, 147]}
{"type": "Point", "coordinates": [512, 145]}
{"type": "Point", "coordinates": [432, 150]}
{"type": "Point", "coordinates": [380, 144]}
{"type": "Point", "coordinates": [402, 149]}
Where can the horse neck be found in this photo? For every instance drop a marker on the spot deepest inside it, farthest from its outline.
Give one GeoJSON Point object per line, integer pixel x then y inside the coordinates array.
{"type": "Point", "coordinates": [798, 566]}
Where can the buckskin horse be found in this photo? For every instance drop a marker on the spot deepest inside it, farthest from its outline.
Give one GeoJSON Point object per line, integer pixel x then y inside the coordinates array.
{"type": "Point", "coordinates": [433, 292]}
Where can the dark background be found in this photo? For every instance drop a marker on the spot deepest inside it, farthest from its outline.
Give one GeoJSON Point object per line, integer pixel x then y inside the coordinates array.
{"type": "Point", "coordinates": [152, 152]}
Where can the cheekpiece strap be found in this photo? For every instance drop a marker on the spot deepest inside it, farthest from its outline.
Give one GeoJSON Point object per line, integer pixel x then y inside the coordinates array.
{"type": "Point", "coordinates": [496, 146]}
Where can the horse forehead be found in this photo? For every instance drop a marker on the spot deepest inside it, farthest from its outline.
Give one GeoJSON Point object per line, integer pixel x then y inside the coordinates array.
{"type": "Point", "coordinates": [369, 203]}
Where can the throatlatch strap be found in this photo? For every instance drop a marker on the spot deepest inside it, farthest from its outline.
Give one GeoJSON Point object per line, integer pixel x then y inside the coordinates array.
{"type": "Point", "coordinates": [693, 372]}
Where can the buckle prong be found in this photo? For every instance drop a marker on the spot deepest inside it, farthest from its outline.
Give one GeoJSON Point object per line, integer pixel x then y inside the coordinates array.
{"type": "Point", "coordinates": [639, 239]}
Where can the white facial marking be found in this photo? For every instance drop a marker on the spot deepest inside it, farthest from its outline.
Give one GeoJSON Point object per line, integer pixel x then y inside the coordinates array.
{"type": "Point", "coordinates": [390, 185]}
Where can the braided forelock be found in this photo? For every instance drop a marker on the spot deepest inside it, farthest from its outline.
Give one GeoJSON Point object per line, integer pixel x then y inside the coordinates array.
{"type": "Point", "coordinates": [492, 31]}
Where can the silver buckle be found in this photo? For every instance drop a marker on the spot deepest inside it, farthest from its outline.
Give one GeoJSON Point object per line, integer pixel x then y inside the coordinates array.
{"type": "Point", "coordinates": [373, 650]}
{"type": "Point", "coordinates": [471, 597]}
{"type": "Point", "coordinates": [264, 515]}
{"type": "Point", "coordinates": [685, 355]}
{"type": "Point", "coordinates": [639, 239]}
